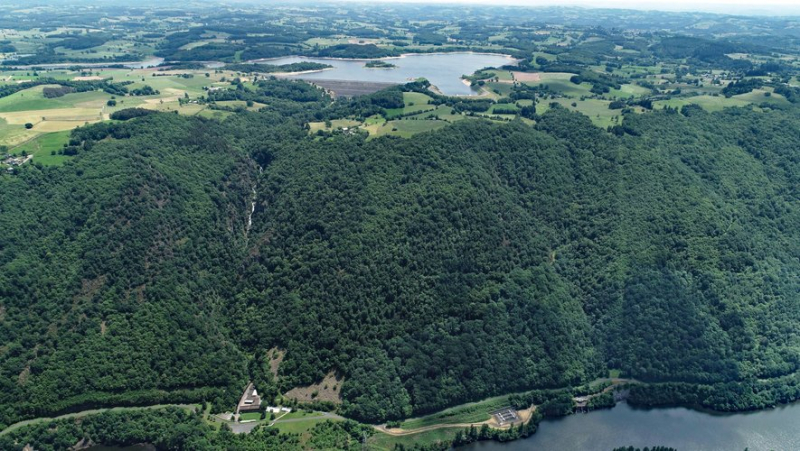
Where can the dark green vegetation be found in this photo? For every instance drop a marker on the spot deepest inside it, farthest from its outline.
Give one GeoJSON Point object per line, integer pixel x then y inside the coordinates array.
{"type": "Point", "coordinates": [421, 269]}
{"type": "Point", "coordinates": [178, 429]}
{"type": "Point", "coordinates": [377, 64]}
{"type": "Point", "coordinates": [171, 257]}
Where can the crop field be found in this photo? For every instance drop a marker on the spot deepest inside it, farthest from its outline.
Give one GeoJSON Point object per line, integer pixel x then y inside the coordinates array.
{"type": "Point", "coordinates": [48, 115]}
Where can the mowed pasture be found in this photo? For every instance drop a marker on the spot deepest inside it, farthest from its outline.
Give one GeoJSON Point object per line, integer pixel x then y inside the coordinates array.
{"type": "Point", "coordinates": [718, 103]}
{"type": "Point", "coordinates": [404, 128]}
{"type": "Point", "coordinates": [597, 110]}
{"type": "Point", "coordinates": [475, 412]}
{"type": "Point", "coordinates": [557, 82]}
{"type": "Point", "coordinates": [44, 148]}
{"type": "Point", "coordinates": [414, 102]}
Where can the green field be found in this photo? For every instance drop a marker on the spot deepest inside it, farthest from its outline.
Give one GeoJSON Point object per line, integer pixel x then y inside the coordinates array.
{"type": "Point", "coordinates": [466, 413]}
{"type": "Point", "coordinates": [628, 90]}
{"type": "Point", "coordinates": [298, 427]}
{"type": "Point", "coordinates": [249, 416]}
{"type": "Point", "coordinates": [300, 414]}
{"type": "Point", "coordinates": [414, 102]}
{"type": "Point", "coordinates": [597, 110]}
{"type": "Point", "coordinates": [33, 99]}
{"type": "Point", "coordinates": [560, 82]}
{"type": "Point", "coordinates": [386, 442]}
{"type": "Point", "coordinates": [42, 146]}
{"type": "Point", "coordinates": [404, 128]}
{"type": "Point", "coordinates": [708, 103]}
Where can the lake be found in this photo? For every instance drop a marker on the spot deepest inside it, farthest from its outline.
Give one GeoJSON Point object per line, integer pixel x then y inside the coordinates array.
{"type": "Point", "coordinates": [443, 70]}
{"type": "Point", "coordinates": [680, 428]}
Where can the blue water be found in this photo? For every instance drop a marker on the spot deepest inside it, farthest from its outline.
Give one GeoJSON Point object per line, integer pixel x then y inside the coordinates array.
{"type": "Point", "coordinates": [443, 70]}
{"type": "Point", "coordinates": [679, 428]}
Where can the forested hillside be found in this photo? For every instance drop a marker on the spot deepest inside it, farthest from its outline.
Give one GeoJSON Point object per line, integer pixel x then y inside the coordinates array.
{"type": "Point", "coordinates": [116, 268]}
{"type": "Point", "coordinates": [475, 260]}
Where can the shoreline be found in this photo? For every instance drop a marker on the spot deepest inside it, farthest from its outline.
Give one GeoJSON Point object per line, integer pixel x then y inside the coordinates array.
{"type": "Point", "coordinates": [302, 72]}
{"type": "Point", "coordinates": [402, 55]}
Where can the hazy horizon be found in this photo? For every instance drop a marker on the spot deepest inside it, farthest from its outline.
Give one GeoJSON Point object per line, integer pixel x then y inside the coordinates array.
{"type": "Point", "coordinates": [736, 7]}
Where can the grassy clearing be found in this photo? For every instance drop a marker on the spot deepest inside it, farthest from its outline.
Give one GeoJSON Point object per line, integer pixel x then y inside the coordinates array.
{"type": "Point", "coordinates": [249, 416]}
{"type": "Point", "coordinates": [629, 90]}
{"type": "Point", "coordinates": [597, 110]}
{"type": "Point", "coordinates": [404, 128]}
{"type": "Point", "coordinates": [31, 99]}
{"type": "Point", "coordinates": [43, 146]}
{"type": "Point", "coordinates": [335, 124]}
{"type": "Point", "coordinates": [414, 102]}
{"type": "Point", "coordinates": [386, 442]}
{"type": "Point", "coordinates": [708, 103]}
{"type": "Point", "coordinates": [559, 82]}
{"type": "Point", "coordinates": [467, 413]}
{"type": "Point", "coordinates": [759, 96]}
{"type": "Point", "coordinates": [301, 414]}
{"type": "Point", "coordinates": [298, 427]}
{"type": "Point", "coordinates": [502, 75]}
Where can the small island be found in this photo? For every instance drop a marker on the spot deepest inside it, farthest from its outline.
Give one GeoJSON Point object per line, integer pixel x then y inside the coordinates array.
{"type": "Point", "coordinates": [377, 64]}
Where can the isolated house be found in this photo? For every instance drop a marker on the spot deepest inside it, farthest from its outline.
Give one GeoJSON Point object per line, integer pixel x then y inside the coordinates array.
{"type": "Point", "coordinates": [250, 400]}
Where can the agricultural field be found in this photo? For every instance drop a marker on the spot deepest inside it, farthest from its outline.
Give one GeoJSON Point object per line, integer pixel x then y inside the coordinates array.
{"type": "Point", "coordinates": [175, 92]}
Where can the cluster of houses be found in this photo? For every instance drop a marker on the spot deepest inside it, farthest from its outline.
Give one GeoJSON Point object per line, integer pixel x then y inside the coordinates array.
{"type": "Point", "coordinates": [12, 160]}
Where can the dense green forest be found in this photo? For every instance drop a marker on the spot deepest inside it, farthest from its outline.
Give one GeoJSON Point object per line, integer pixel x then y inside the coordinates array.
{"type": "Point", "coordinates": [476, 260]}
{"type": "Point", "coordinates": [177, 429]}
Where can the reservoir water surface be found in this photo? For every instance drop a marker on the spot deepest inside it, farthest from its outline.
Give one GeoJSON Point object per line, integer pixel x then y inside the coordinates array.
{"type": "Point", "coordinates": [443, 70]}
{"type": "Point", "coordinates": [679, 428]}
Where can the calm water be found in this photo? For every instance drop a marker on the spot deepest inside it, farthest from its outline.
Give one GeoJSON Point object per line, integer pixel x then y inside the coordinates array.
{"type": "Point", "coordinates": [442, 70]}
{"type": "Point", "coordinates": [680, 428]}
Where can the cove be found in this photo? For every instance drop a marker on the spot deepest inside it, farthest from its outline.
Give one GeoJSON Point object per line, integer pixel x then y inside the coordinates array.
{"type": "Point", "coordinates": [443, 70]}
{"type": "Point", "coordinates": [678, 427]}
